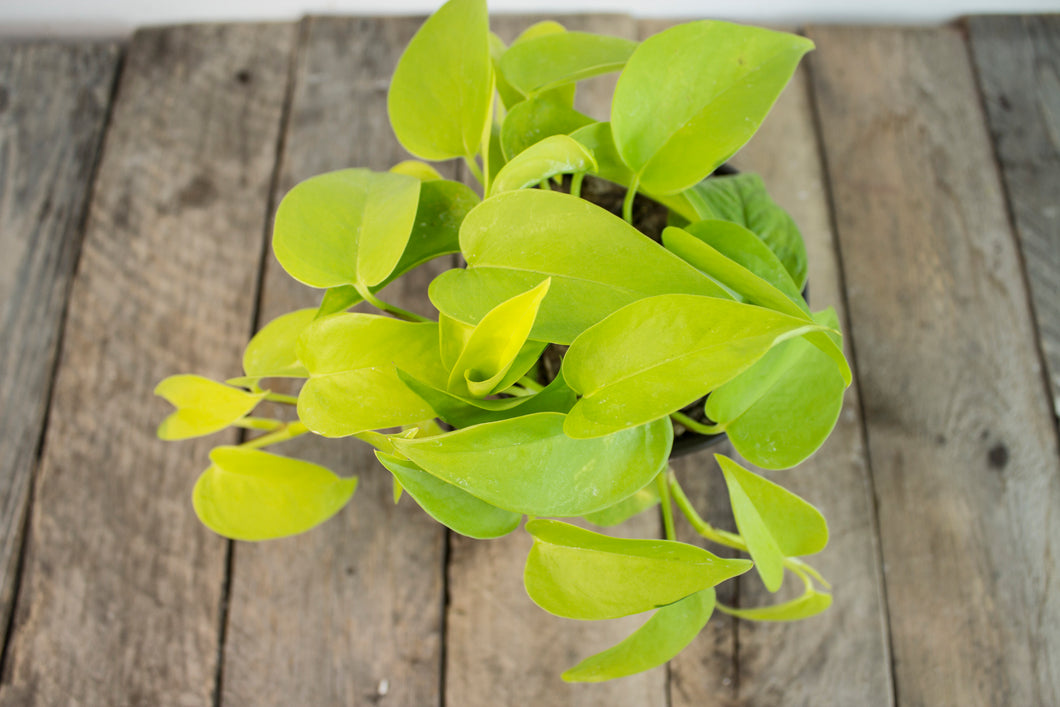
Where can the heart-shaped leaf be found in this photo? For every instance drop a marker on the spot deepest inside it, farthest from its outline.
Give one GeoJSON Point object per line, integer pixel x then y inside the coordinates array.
{"type": "Point", "coordinates": [551, 60]}
{"type": "Point", "coordinates": [743, 199]}
{"type": "Point", "coordinates": [691, 96]}
{"type": "Point", "coordinates": [442, 88]}
{"type": "Point", "coordinates": [774, 522]}
{"type": "Point", "coordinates": [247, 494]}
{"type": "Point", "coordinates": [781, 409]}
{"type": "Point", "coordinates": [528, 465]}
{"type": "Point", "coordinates": [510, 95]}
{"type": "Point", "coordinates": [662, 637]}
{"type": "Point", "coordinates": [272, 352]}
{"type": "Point", "coordinates": [661, 353]}
{"type": "Point", "coordinates": [353, 384]}
{"type": "Point", "coordinates": [531, 121]}
{"type": "Point", "coordinates": [452, 507]}
{"type": "Point", "coordinates": [809, 604]}
{"type": "Point", "coordinates": [597, 262]}
{"type": "Point", "coordinates": [579, 574]}
{"type": "Point", "coordinates": [557, 154]}
{"type": "Point", "coordinates": [345, 228]}
{"type": "Point", "coordinates": [203, 406]}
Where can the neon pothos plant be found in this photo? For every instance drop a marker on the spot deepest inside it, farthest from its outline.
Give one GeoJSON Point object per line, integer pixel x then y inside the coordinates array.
{"type": "Point", "coordinates": [714, 310]}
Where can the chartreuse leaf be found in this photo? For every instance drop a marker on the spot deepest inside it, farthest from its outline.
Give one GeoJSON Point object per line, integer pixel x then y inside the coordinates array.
{"type": "Point", "coordinates": [353, 384]}
{"type": "Point", "coordinates": [557, 154]}
{"type": "Point", "coordinates": [809, 604]}
{"type": "Point", "coordinates": [414, 168]}
{"type": "Point", "coordinates": [692, 95]}
{"type": "Point", "coordinates": [452, 507]}
{"type": "Point", "coordinates": [533, 120]}
{"type": "Point", "coordinates": [662, 637]}
{"type": "Point", "coordinates": [598, 263]}
{"type": "Point", "coordinates": [528, 465]}
{"type": "Point", "coordinates": [597, 138]}
{"type": "Point", "coordinates": [774, 522]}
{"type": "Point", "coordinates": [661, 353]}
{"type": "Point", "coordinates": [579, 574]}
{"type": "Point", "coordinates": [511, 95]}
{"type": "Point", "coordinates": [625, 509]}
{"type": "Point", "coordinates": [345, 228]}
{"type": "Point", "coordinates": [550, 60]}
{"type": "Point", "coordinates": [730, 269]}
{"type": "Point", "coordinates": [203, 406]}
{"type": "Point", "coordinates": [442, 87]}
{"type": "Point", "coordinates": [743, 199]}
{"type": "Point", "coordinates": [781, 409]}
{"type": "Point", "coordinates": [436, 231]}
{"type": "Point", "coordinates": [272, 352]}
{"type": "Point", "coordinates": [493, 346]}
{"type": "Point", "coordinates": [247, 494]}
{"type": "Point", "coordinates": [464, 412]}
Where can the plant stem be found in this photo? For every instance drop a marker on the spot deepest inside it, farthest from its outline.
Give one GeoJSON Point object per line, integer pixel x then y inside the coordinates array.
{"type": "Point", "coordinates": [259, 423]}
{"type": "Point", "coordinates": [531, 384]}
{"type": "Point", "coordinates": [288, 431]}
{"type": "Point", "coordinates": [627, 203]}
{"type": "Point", "coordinates": [389, 308]}
{"type": "Point", "coordinates": [694, 426]}
{"type": "Point", "coordinates": [281, 398]}
{"type": "Point", "coordinates": [476, 172]}
{"type": "Point", "coordinates": [667, 510]}
{"type": "Point", "coordinates": [576, 184]}
{"type": "Point", "coordinates": [723, 537]}
{"type": "Point", "coordinates": [543, 184]}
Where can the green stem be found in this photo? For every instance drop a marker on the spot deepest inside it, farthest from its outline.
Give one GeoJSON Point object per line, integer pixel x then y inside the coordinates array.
{"type": "Point", "coordinates": [281, 398]}
{"type": "Point", "coordinates": [576, 184]}
{"type": "Point", "coordinates": [389, 308]}
{"type": "Point", "coordinates": [476, 172]}
{"type": "Point", "coordinates": [288, 431]}
{"type": "Point", "coordinates": [543, 184]}
{"type": "Point", "coordinates": [695, 426]}
{"type": "Point", "coordinates": [723, 537]}
{"type": "Point", "coordinates": [259, 423]}
{"type": "Point", "coordinates": [667, 509]}
{"type": "Point", "coordinates": [531, 384]}
{"type": "Point", "coordinates": [627, 203]}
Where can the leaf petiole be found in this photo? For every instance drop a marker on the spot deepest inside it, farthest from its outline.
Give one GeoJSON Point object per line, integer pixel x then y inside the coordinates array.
{"type": "Point", "coordinates": [667, 509]}
{"type": "Point", "coordinates": [389, 308]}
{"type": "Point", "coordinates": [576, 184]}
{"type": "Point", "coordinates": [475, 170]}
{"type": "Point", "coordinates": [627, 203]}
{"type": "Point", "coordinates": [695, 426]}
{"type": "Point", "coordinates": [281, 398]}
{"type": "Point", "coordinates": [259, 423]}
{"type": "Point", "coordinates": [288, 431]}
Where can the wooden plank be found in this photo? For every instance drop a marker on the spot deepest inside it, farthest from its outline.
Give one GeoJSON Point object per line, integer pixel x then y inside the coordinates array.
{"type": "Point", "coordinates": [501, 649]}
{"type": "Point", "coordinates": [962, 442]}
{"type": "Point", "coordinates": [49, 141]}
{"type": "Point", "coordinates": [350, 612]}
{"type": "Point", "coordinates": [1017, 61]}
{"type": "Point", "coordinates": [122, 588]}
{"type": "Point", "coordinates": [840, 657]}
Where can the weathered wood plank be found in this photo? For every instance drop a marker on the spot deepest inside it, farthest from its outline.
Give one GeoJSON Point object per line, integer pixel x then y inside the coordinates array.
{"type": "Point", "coordinates": [1017, 61]}
{"type": "Point", "coordinates": [351, 611]}
{"type": "Point", "coordinates": [840, 657]}
{"type": "Point", "coordinates": [122, 588]}
{"type": "Point", "coordinates": [501, 649]}
{"type": "Point", "coordinates": [49, 141]}
{"type": "Point", "coordinates": [961, 439]}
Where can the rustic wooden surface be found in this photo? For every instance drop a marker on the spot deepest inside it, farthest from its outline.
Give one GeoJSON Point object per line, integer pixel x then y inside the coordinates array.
{"type": "Point", "coordinates": [960, 435]}
{"type": "Point", "coordinates": [938, 482]}
{"type": "Point", "coordinates": [49, 141]}
{"type": "Point", "coordinates": [1017, 60]}
{"type": "Point", "coordinates": [353, 611]}
{"type": "Point", "coordinates": [120, 601]}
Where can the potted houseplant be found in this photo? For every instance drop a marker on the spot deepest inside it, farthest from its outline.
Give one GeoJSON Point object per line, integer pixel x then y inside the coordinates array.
{"type": "Point", "coordinates": [573, 347]}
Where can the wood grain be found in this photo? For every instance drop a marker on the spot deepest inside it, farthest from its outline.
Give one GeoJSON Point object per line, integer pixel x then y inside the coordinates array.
{"type": "Point", "coordinates": [350, 613]}
{"type": "Point", "coordinates": [1017, 61]}
{"type": "Point", "coordinates": [961, 439]}
{"type": "Point", "coordinates": [501, 649]}
{"type": "Point", "coordinates": [121, 594]}
{"type": "Point", "coordinates": [49, 142]}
